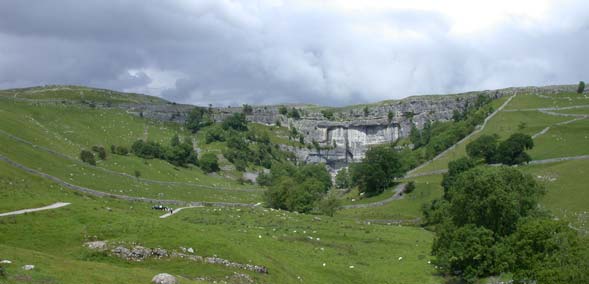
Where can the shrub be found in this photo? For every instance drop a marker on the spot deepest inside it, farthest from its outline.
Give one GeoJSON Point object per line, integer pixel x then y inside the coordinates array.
{"type": "Point", "coordinates": [247, 109]}
{"type": "Point", "coordinates": [100, 151]}
{"type": "Point", "coordinates": [581, 87]}
{"type": "Point", "coordinates": [327, 113]}
{"type": "Point", "coordinates": [484, 147]}
{"type": "Point", "coordinates": [329, 204]}
{"type": "Point", "coordinates": [148, 150]}
{"type": "Point", "coordinates": [410, 187]}
{"type": "Point", "coordinates": [137, 173]}
{"type": "Point", "coordinates": [235, 121]}
{"type": "Point", "coordinates": [215, 133]}
{"type": "Point", "coordinates": [342, 179]}
{"type": "Point", "coordinates": [209, 163]}
{"type": "Point", "coordinates": [197, 119]}
{"type": "Point", "coordinates": [283, 110]}
{"type": "Point", "coordinates": [87, 157]}
{"type": "Point", "coordinates": [294, 113]}
{"type": "Point", "coordinates": [377, 171]}
{"type": "Point", "coordinates": [122, 150]}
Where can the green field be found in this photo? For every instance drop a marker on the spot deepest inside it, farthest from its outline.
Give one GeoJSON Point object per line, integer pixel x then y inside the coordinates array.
{"type": "Point", "coordinates": [276, 239]}
{"type": "Point", "coordinates": [365, 245]}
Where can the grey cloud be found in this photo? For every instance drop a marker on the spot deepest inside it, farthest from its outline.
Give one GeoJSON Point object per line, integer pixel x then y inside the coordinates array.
{"type": "Point", "coordinates": [231, 52]}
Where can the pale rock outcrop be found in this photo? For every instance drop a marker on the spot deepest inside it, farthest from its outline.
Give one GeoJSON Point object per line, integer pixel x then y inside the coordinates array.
{"type": "Point", "coordinates": [164, 278]}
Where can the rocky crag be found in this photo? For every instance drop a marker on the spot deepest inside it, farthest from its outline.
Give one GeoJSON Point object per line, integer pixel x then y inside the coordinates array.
{"type": "Point", "coordinates": [346, 136]}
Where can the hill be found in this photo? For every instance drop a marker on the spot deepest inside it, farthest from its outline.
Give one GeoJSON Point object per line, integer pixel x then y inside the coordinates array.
{"type": "Point", "coordinates": [44, 129]}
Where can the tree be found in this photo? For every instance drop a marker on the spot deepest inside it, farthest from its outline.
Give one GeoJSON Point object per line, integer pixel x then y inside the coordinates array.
{"type": "Point", "coordinates": [329, 204]}
{"type": "Point", "coordinates": [236, 121]}
{"type": "Point", "coordinates": [197, 119]}
{"type": "Point", "coordinates": [366, 111]}
{"type": "Point", "coordinates": [283, 110]}
{"type": "Point", "coordinates": [581, 87]}
{"type": "Point", "coordinates": [377, 171]}
{"type": "Point", "coordinates": [455, 168]}
{"type": "Point", "coordinates": [327, 113]}
{"type": "Point", "coordinates": [209, 163]}
{"type": "Point", "coordinates": [122, 150]}
{"type": "Point", "coordinates": [87, 157]}
{"type": "Point", "coordinates": [100, 151]}
{"type": "Point", "coordinates": [465, 251]}
{"type": "Point", "coordinates": [294, 113]}
{"type": "Point", "coordinates": [214, 133]}
{"type": "Point", "coordinates": [137, 173]}
{"type": "Point", "coordinates": [548, 251]}
{"type": "Point", "coordinates": [390, 116]}
{"type": "Point", "coordinates": [410, 187]}
{"type": "Point", "coordinates": [247, 109]}
{"type": "Point", "coordinates": [484, 147]}
{"type": "Point", "coordinates": [342, 179]}
{"type": "Point", "coordinates": [492, 197]}
{"type": "Point", "coordinates": [512, 150]}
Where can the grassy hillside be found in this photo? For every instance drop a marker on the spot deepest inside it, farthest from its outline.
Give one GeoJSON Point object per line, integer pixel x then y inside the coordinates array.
{"type": "Point", "coordinates": [279, 240]}
{"type": "Point", "coordinates": [364, 245]}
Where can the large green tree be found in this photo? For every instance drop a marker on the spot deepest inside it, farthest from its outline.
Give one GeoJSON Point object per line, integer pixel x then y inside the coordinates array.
{"type": "Point", "coordinates": [513, 150]}
{"type": "Point", "coordinates": [377, 171]}
{"type": "Point", "coordinates": [484, 147]}
{"type": "Point", "coordinates": [197, 119]}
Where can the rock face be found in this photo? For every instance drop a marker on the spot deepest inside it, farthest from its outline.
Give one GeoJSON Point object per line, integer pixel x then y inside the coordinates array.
{"type": "Point", "coordinates": [353, 129]}
{"type": "Point", "coordinates": [164, 278]}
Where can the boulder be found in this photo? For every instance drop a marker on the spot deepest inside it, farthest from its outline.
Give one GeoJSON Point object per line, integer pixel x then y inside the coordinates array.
{"type": "Point", "coordinates": [97, 245]}
{"type": "Point", "coordinates": [28, 267]}
{"type": "Point", "coordinates": [164, 278]}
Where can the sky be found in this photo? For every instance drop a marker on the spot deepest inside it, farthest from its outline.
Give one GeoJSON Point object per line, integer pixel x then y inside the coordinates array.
{"type": "Point", "coordinates": [332, 52]}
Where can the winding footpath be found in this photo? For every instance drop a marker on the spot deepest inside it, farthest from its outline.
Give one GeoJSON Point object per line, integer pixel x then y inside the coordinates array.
{"type": "Point", "coordinates": [178, 210]}
{"type": "Point", "coordinates": [399, 190]}
{"type": "Point", "coordinates": [24, 211]}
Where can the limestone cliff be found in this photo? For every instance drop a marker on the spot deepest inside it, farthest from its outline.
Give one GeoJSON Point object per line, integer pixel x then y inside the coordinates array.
{"type": "Point", "coordinates": [352, 130]}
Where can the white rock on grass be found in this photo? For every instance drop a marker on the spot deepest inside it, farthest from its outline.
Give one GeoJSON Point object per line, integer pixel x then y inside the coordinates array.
{"type": "Point", "coordinates": [6, 261]}
{"type": "Point", "coordinates": [164, 278]}
{"type": "Point", "coordinates": [28, 267]}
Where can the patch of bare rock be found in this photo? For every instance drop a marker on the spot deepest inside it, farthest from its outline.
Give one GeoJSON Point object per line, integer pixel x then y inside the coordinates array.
{"type": "Point", "coordinates": [140, 253]}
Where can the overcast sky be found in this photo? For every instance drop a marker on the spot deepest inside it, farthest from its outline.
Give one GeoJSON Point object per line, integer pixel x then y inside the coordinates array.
{"type": "Point", "coordinates": [332, 52]}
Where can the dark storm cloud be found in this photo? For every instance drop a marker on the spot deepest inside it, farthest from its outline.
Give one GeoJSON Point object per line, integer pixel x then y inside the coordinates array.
{"type": "Point", "coordinates": [229, 52]}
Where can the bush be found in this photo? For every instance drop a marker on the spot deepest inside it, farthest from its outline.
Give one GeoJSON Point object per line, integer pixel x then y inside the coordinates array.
{"type": "Point", "coordinates": [410, 187]}
{"type": "Point", "coordinates": [213, 134]}
{"type": "Point", "coordinates": [484, 147]}
{"type": "Point", "coordinates": [122, 150]}
{"type": "Point", "coordinates": [294, 113]}
{"type": "Point", "coordinates": [264, 179]}
{"type": "Point", "coordinates": [512, 150]}
{"type": "Point", "coordinates": [137, 173]}
{"type": "Point", "coordinates": [327, 113]}
{"type": "Point", "coordinates": [236, 121]}
{"type": "Point", "coordinates": [100, 151]}
{"type": "Point", "coordinates": [377, 171]}
{"type": "Point", "coordinates": [197, 119]}
{"type": "Point", "coordinates": [329, 204]}
{"type": "Point", "coordinates": [283, 110]}
{"type": "Point", "coordinates": [209, 163]}
{"type": "Point", "coordinates": [581, 87]}
{"type": "Point", "coordinates": [343, 179]}
{"type": "Point", "coordinates": [87, 157]}
{"type": "Point", "coordinates": [297, 188]}
{"type": "Point", "coordinates": [148, 150]}
{"type": "Point", "coordinates": [247, 109]}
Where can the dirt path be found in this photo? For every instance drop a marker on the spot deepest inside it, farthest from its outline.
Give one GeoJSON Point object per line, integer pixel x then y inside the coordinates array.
{"type": "Point", "coordinates": [178, 210]}
{"type": "Point", "coordinates": [48, 207]}
{"type": "Point", "coordinates": [399, 190]}
{"type": "Point", "coordinates": [93, 192]}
